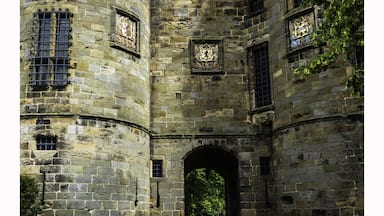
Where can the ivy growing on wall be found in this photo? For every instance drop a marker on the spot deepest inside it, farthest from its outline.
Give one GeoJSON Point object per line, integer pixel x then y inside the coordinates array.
{"type": "Point", "coordinates": [342, 31]}
{"type": "Point", "coordinates": [29, 190]}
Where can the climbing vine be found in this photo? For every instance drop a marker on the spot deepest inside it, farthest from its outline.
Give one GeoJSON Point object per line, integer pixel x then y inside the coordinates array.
{"type": "Point", "coordinates": [29, 190]}
{"type": "Point", "coordinates": [342, 31]}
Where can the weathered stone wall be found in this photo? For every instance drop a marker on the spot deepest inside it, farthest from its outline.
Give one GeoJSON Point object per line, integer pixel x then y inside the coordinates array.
{"type": "Point", "coordinates": [319, 167]}
{"type": "Point", "coordinates": [317, 132]}
{"type": "Point", "coordinates": [173, 150]}
{"type": "Point", "coordinates": [187, 103]}
{"type": "Point", "coordinates": [123, 109]}
{"type": "Point", "coordinates": [104, 81]}
{"type": "Point", "coordinates": [100, 167]}
{"type": "Point", "coordinates": [191, 110]}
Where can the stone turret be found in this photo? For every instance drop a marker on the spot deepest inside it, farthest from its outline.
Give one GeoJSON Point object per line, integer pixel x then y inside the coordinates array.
{"type": "Point", "coordinates": [85, 94]}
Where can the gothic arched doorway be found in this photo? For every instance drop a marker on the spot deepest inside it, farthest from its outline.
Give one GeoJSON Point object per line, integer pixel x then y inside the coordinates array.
{"type": "Point", "coordinates": [222, 162]}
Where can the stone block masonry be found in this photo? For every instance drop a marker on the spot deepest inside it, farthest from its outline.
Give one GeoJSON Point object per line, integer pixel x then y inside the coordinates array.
{"type": "Point", "coordinates": [135, 99]}
{"type": "Point", "coordinates": [103, 165]}
{"type": "Point", "coordinates": [98, 123]}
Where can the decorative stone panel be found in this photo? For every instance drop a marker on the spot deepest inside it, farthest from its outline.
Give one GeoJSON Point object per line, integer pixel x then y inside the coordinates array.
{"type": "Point", "coordinates": [206, 56]}
{"type": "Point", "coordinates": [126, 31]}
{"type": "Point", "coordinates": [300, 30]}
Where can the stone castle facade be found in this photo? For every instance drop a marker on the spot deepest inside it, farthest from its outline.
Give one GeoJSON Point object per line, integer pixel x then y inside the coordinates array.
{"type": "Point", "coordinates": [120, 99]}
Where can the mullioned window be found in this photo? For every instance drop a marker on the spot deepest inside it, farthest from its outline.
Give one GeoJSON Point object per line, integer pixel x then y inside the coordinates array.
{"type": "Point", "coordinates": [50, 61]}
{"type": "Point", "coordinates": [261, 92]}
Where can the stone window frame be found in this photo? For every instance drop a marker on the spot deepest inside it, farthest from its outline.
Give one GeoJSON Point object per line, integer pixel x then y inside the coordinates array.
{"type": "Point", "coordinates": [50, 62]}
{"type": "Point", "coordinates": [157, 168]}
{"type": "Point", "coordinates": [114, 36]}
{"type": "Point", "coordinates": [219, 68]}
{"type": "Point", "coordinates": [46, 142]}
{"type": "Point", "coordinates": [255, 107]}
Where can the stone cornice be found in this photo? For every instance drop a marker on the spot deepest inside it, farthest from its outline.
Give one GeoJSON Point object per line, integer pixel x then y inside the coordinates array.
{"type": "Point", "coordinates": [336, 117]}
{"type": "Point", "coordinates": [94, 117]}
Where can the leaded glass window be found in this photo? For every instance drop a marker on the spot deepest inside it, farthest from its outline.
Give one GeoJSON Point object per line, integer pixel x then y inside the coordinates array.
{"type": "Point", "coordinates": [262, 86]}
{"type": "Point", "coordinates": [157, 168]}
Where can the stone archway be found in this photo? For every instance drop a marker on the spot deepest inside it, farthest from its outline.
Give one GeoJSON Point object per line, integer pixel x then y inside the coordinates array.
{"type": "Point", "coordinates": [226, 164]}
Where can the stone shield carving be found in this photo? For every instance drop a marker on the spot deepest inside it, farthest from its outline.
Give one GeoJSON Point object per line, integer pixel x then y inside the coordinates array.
{"type": "Point", "coordinates": [206, 56]}
{"type": "Point", "coordinates": [300, 29]}
{"type": "Point", "coordinates": [126, 32]}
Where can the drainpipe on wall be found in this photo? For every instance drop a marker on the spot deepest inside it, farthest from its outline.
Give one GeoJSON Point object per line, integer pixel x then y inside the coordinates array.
{"type": "Point", "coordinates": [43, 193]}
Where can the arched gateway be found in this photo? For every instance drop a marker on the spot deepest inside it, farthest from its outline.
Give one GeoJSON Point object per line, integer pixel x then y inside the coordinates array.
{"type": "Point", "coordinates": [223, 162]}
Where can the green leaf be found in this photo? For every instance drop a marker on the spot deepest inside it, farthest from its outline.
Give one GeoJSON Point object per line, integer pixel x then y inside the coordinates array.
{"type": "Point", "coordinates": [342, 30]}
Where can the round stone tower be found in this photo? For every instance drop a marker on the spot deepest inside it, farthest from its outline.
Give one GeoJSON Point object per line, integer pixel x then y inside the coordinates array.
{"type": "Point", "coordinates": [85, 99]}
{"type": "Point", "coordinates": [318, 124]}
{"type": "Point", "coordinates": [120, 99]}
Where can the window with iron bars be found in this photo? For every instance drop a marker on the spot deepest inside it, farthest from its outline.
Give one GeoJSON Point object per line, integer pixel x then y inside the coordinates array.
{"type": "Point", "coordinates": [46, 142]}
{"type": "Point", "coordinates": [50, 62]}
{"type": "Point", "coordinates": [262, 86]}
{"type": "Point", "coordinates": [255, 7]}
{"type": "Point", "coordinates": [157, 168]}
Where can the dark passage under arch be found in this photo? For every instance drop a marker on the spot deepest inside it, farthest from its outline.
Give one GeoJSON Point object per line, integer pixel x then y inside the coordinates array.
{"type": "Point", "coordinates": [223, 162]}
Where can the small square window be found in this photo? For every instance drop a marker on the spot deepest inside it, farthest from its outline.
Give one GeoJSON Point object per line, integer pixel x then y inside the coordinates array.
{"type": "Point", "coordinates": [157, 168]}
{"type": "Point", "coordinates": [46, 142]}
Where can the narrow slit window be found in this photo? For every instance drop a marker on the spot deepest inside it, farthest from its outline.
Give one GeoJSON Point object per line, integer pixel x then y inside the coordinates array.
{"type": "Point", "coordinates": [157, 168]}
{"type": "Point", "coordinates": [45, 28]}
{"type": "Point", "coordinates": [46, 142]}
{"type": "Point", "coordinates": [262, 79]}
{"type": "Point", "coordinates": [61, 49]}
{"type": "Point", "coordinates": [265, 168]}
{"type": "Point", "coordinates": [41, 64]}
